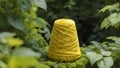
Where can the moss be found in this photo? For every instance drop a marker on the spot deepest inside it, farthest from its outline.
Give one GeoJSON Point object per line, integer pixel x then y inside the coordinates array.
{"type": "Point", "coordinates": [79, 63]}
{"type": "Point", "coordinates": [61, 65]}
{"type": "Point", "coordinates": [49, 63]}
{"type": "Point", "coordinates": [42, 66]}
{"type": "Point", "coordinates": [71, 65]}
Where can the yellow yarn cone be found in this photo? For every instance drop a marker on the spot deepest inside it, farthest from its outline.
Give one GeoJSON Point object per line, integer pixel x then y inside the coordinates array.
{"type": "Point", "coordinates": [64, 45]}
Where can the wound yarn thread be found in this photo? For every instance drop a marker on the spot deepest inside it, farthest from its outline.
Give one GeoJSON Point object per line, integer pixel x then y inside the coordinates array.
{"type": "Point", "coordinates": [64, 45]}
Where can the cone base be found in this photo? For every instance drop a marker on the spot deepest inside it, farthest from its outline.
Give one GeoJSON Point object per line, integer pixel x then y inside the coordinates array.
{"type": "Point", "coordinates": [63, 58]}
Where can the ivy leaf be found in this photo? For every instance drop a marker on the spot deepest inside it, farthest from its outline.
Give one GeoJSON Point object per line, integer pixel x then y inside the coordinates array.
{"type": "Point", "coordinates": [25, 52]}
{"type": "Point", "coordinates": [40, 3]}
{"type": "Point", "coordinates": [23, 4]}
{"type": "Point", "coordinates": [106, 53]}
{"type": "Point", "coordinates": [114, 18]}
{"type": "Point", "coordinates": [110, 8]}
{"type": "Point", "coordinates": [3, 65]}
{"type": "Point", "coordinates": [16, 22]}
{"type": "Point", "coordinates": [116, 39]}
{"type": "Point", "coordinates": [22, 62]}
{"type": "Point", "coordinates": [105, 23]}
{"type": "Point", "coordinates": [107, 62]}
{"type": "Point", "coordinates": [5, 35]}
{"type": "Point", "coordinates": [94, 57]}
{"type": "Point", "coordinates": [97, 45]}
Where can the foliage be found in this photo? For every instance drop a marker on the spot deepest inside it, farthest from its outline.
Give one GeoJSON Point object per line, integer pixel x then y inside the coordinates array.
{"type": "Point", "coordinates": [113, 19]}
{"type": "Point", "coordinates": [25, 47]}
{"type": "Point", "coordinates": [19, 16]}
{"type": "Point", "coordinates": [83, 12]}
{"type": "Point", "coordinates": [105, 52]}
{"type": "Point", "coordinates": [22, 16]}
{"type": "Point", "coordinates": [81, 62]}
{"type": "Point", "coordinates": [98, 53]}
{"type": "Point", "coordinates": [12, 56]}
{"type": "Point", "coordinates": [25, 57]}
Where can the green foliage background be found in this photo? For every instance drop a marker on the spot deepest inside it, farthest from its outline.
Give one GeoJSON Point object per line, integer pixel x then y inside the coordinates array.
{"type": "Point", "coordinates": [25, 27]}
{"type": "Point", "coordinates": [85, 13]}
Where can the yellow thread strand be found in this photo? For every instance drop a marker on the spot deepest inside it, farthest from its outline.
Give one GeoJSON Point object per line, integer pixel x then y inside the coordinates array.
{"type": "Point", "coordinates": [64, 45]}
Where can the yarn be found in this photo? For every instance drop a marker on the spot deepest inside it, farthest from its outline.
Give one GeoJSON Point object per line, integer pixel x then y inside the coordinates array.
{"type": "Point", "coordinates": [64, 45]}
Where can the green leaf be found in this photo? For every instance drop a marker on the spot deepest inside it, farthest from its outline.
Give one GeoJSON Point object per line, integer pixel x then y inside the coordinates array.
{"type": "Point", "coordinates": [97, 45]}
{"type": "Point", "coordinates": [5, 35]}
{"type": "Point", "coordinates": [105, 23]}
{"type": "Point", "coordinates": [110, 8]}
{"type": "Point", "coordinates": [40, 3]}
{"type": "Point", "coordinates": [107, 62]}
{"type": "Point", "coordinates": [22, 62]}
{"type": "Point", "coordinates": [16, 22]}
{"type": "Point", "coordinates": [94, 57]}
{"type": "Point", "coordinates": [23, 52]}
{"type": "Point", "coordinates": [23, 4]}
{"type": "Point", "coordinates": [3, 65]}
{"type": "Point", "coordinates": [106, 53]}
{"type": "Point", "coordinates": [114, 38]}
{"type": "Point", "coordinates": [114, 18]}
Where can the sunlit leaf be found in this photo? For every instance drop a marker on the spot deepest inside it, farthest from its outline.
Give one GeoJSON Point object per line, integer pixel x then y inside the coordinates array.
{"type": "Point", "coordinates": [40, 3]}
{"type": "Point", "coordinates": [106, 53]}
{"type": "Point", "coordinates": [14, 42]}
{"type": "Point", "coordinates": [110, 8]}
{"type": "Point", "coordinates": [25, 52]}
{"type": "Point", "coordinates": [22, 62]}
{"type": "Point", "coordinates": [114, 18]}
{"type": "Point", "coordinates": [105, 23]}
{"type": "Point", "coordinates": [3, 65]}
{"type": "Point", "coordinates": [94, 57]}
{"type": "Point", "coordinates": [114, 38]}
{"type": "Point", "coordinates": [5, 35]}
{"type": "Point", "coordinates": [107, 62]}
{"type": "Point", "coordinates": [97, 45]}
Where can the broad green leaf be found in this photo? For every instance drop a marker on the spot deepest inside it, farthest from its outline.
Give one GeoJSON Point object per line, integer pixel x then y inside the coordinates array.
{"type": "Point", "coordinates": [22, 62]}
{"type": "Point", "coordinates": [14, 42]}
{"type": "Point", "coordinates": [116, 39]}
{"type": "Point", "coordinates": [16, 22]}
{"type": "Point", "coordinates": [117, 45]}
{"type": "Point", "coordinates": [40, 3]}
{"type": "Point", "coordinates": [5, 35]}
{"type": "Point", "coordinates": [98, 46]}
{"type": "Point", "coordinates": [3, 65]}
{"type": "Point", "coordinates": [117, 25]}
{"type": "Point", "coordinates": [114, 18]}
{"type": "Point", "coordinates": [23, 52]}
{"type": "Point", "coordinates": [94, 57]}
{"type": "Point", "coordinates": [105, 23]}
{"type": "Point", "coordinates": [23, 4]}
{"type": "Point", "coordinates": [110, 8]}
{"type": "Point", "coordinates": [106, 53]}
{"type": "Point", "coordinates": [107, 62]}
